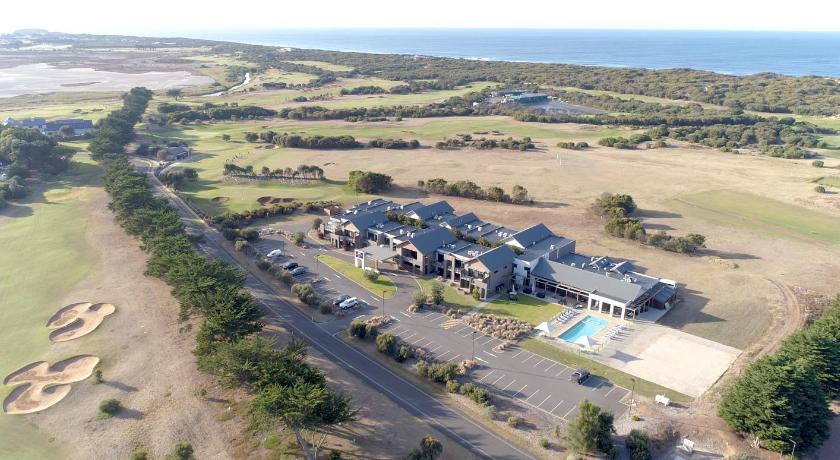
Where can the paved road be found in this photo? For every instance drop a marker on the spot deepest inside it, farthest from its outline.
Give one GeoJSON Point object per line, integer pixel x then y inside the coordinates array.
{"type": "Point", "coordinates": [534, 381]}
{"type": "Point", "coordinates": [457, 426]}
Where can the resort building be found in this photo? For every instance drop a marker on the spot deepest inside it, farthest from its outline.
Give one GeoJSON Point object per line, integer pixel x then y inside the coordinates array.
{"type": "Point", "coordinates": [474, 255]}
{"type": "Point", "coordinates": [51, 128]}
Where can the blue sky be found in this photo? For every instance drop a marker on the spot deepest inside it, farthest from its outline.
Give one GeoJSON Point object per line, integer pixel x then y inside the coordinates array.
{"type": "Point", "coordinates": [150, 16]}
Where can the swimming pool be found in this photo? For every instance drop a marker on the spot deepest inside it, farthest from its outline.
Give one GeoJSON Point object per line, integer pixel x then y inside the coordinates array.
{"type": "Point", "coordinates": [589, 325]}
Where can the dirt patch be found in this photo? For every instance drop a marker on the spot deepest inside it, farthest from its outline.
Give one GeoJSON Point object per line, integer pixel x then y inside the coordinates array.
{"type": "Point", "coordinates": [220, 199]}
{"type": "Point", "coordinates": [78, 319]}
{"type": "Point", "coordinates": [45, 385]}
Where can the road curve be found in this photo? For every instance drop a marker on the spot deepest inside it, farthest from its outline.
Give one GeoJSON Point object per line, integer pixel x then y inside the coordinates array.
{"type": "Point", "coordinates": [478, 439]}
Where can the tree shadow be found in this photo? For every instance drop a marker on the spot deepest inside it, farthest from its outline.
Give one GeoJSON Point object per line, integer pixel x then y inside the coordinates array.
{"type": "Point", "coordinates": [132, 414]}
{"type": "Point", "coordinates": [649, 226]}
{"type": "Point", "coordinates": [654, 214]}
{"type": "Point", "coordinates": [730, 255]}
{"type": "Point", "coordinates": [119, 386]}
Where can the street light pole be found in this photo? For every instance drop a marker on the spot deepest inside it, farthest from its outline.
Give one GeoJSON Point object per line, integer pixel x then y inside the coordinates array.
{"type": "Point", "coordinates": [794, 448]}
{"type": "Point", "coordinates": [632, 398]}
{"type": "Point", "coordinates": [383, 303]}
{"type": "Point", "coordinates": [473, 346]}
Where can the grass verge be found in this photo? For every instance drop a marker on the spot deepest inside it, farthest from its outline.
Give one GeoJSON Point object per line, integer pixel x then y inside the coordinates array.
{"type": "Point", "coordinates": [357, 275]}
{"type": "Point", "coordinates": [451, 297]}
{"type": "Point", "coordinates": [571, 359]}
{"type": "Point", "coordinates": [526, 308]}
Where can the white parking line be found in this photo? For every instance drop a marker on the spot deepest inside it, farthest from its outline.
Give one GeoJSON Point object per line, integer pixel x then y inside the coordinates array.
{"type": "Point", "coordinates": [435, 349]}
{"type": "Point", "coordinates": [598, 386]}
{"type": "Point", "coordinates": [483, 361]}
{"type": "Point", "coordinates": [459, 330]}
{"type": "Point", "coordinates": [394, 318]}
{"type": "Point", "coordinates": [570, 411]}
{"type": "Point", "coordinates": [491, 354]}
{"type": "Point", "coordinates": [397, 329]}
{"type": "Point", "coordinates": [564, 370]}
{"type": "Point", "coordinates": [412, 335]}
{"type": "Point", "coordinates": [544, 400]}
{"type": "Point", "coordinates": [539, 362]}
{"type": "Point", "coordinates": [497, 380]}
{"type": "Point", "coordinates": [443, 354]}
{"type": "Point", "coordinates": [520, 390]}
{"type": "Point", "coordinates": [526, 359]}
{"type": "Point", "coordinates": [467, 333]}
{"type": "Point", "coordinates": [453, 358]}
{"type": "Point", "coordinates": [555, 407]}
{"type": "Point", "coordinates": [405, 314]}
{"type": "Point", "coordinates": [532, 395]}
{"type": "Point", "coordinates": [375, 299]}
{"type": "Point", "coordinates": [506, 386]}
{"type": "Point", "coordinates": [549, 367]}
{"type": "Point", "coordinates": [418, 340]}
{"type": "Point", "coordinates": [487, 341]}
{"type": "Point", "coordinates": [611, 390]}
{"type": "Point", "coordinates": [488, 375]}
{"type": "Point", "coordinates": [520, 352]}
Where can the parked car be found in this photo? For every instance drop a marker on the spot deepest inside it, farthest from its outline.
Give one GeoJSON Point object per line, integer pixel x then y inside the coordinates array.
{"type": "Point", "coordinates": [349, 303]}
{"type": "Point", "coordinates": [541, 295]}
{"type": "Point", "coordinates": [579, 376]}
{"type": "Point", "coordinates": [579, 306]}
{"type": "Point", "coordinates": [513, 296]}
{"type": "Point", "coordinates": [526, 290]}
{"type": "Point", "coordinates": [274, 253]}
{"type": "Point", "coordinates": [298, 271]}
{"type": "Point", "coordinates": [340, 299]}
{"type": "Point", "coordinates": [289, 265]}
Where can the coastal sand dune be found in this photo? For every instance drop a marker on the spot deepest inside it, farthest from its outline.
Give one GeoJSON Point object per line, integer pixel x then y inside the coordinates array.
{"type": "Point", "coordinates": [44, 385]}
{"type": "Point", "coordinates": [78, 319]}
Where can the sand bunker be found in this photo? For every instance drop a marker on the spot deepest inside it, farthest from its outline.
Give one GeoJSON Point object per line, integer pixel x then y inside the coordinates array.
{"type": "Point", "coordinates": [78, 319]}
{"type": "Point", "coordinates": [45, 385]}
{"type": "Point", "coordinates": [263, 200]}
{"type": "Point", "coordinates": [220, 199]}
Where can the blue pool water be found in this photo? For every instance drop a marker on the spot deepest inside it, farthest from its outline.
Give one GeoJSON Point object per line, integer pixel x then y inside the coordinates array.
{"type": "Point", "coordinates": [587, 326]}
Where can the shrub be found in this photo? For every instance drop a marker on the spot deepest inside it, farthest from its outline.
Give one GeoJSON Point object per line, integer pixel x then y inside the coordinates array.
{"type": "Point", "coordinates": [242, 246]}
{"type": "Point", "coordinates": [182, 451]}
{"type": "Point", "coordinates": [371, 330]}
{"type": "Point", "coordinates": [316, 225]}
{"type": "Point", "coordinates": [544, 443]}
{"type": "Point", "coordinates": [419, 298]}
{"type": "Point", "coordinates": [305, 293]}
{"type": "Point", "coordinates": [298, 238]}
{"type": "Point", "coordinates": [139, 454]}
{"type": "Point", "coordinates": [441, 372]}
{"type": "Point", "coordinates": [263, 264]}
{"type": "Point", "coordinates": [230, 234]}
{"type": "Point", "coordinates": [452, 386]}
{"type": "Point", "coordinates": [334, 455]}
{"type": "Point", "coordinates": [819, 189]}
{"type": "Point", "coordinates": [97, 376]}
{"type": "Point", "coordinates": [110, 407]}
{"type": "Point", "coordinates": [386, 343]}
{"type": "Point", "coordinates": [476, 294]}
{"type": "Point", "coordinates": [818, 163]}
{"type": "Point", "coordinates": [491, 411]}
{"type": "Point", "coordinates": [326, 307]}
{"type": "Point", "coordinates": [357, 329]}
{"type": "Point", "coordinates": [404, 353]}
{"type": "Point", "coordinates": [514, 421]}
{"type": "Point", "coordinates": [250, 234]}
{"type": "Point", "coordinates": [437, 293]}
{"type": "Point", "coordinates": [422, 368]}
{"type": "Point", "coordinates": [638, 445]}
{"type": "Point", "coordinates": [371, 276]}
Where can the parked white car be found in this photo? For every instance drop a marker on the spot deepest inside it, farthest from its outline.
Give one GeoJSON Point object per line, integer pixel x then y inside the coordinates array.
{"type": "Point", "coordinates": [349, 303]}
{"type": "Point", "coordinates": [274, 253]}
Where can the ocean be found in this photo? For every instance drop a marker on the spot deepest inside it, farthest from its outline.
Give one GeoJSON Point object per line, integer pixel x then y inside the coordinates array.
{"type": "Point", "coordinates": [736, 53]}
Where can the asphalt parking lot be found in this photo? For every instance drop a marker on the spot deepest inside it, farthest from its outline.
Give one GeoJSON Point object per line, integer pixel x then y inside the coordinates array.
{"type": "Point", "coordinates": [537, 382]}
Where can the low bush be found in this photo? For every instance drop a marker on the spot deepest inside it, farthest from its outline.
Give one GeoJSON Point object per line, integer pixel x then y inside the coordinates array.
{"type": "Point", "coordinates": [819, 189]}
{"type": "Point", "coordinates": [357, 329]}
{"type": "Point", "coordinates": [386, 343]}
{"type": "Point", "coordinates": [110, 407]}
{"type": "Point", "coordinates": [638, 445]}
{"type": "Point", "coordinates": [404, 353]}
{"type": "Point", "coordinates": [544, 443]}
{"type": "Point", "coordinates": [818, 163]}
{"type": "Point", "coordinates": [513, 421]}
{"type": "Point", "coordinates": [182, 451]}
{"type": "Point", "coordinates": [371, 276]}
{"type": "Point", "coordinates": [453, 386]}
{"type": "Point", "coordinates": [305, 293]}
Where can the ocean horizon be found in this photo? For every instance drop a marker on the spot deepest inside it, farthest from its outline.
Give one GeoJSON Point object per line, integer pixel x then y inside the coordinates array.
{"type": "Point", "coordinates": [727, 52]}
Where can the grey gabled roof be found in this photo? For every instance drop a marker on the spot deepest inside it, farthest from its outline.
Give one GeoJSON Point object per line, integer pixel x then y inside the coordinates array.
{"type": "Point", "coordinates": [434, 209]}
{"type": "Point", "coordinates": [592, 282]}
{"type": "Point", "coordinates": [457, 221]}
{"type": "Point", "coordinates": [531, 235]}
{"type": "Point", "coordinates": [431, 239]}
{"type": "Point", "coordinates": [497, 258]}
{"type": "Point", "coordinates": [367, 219]}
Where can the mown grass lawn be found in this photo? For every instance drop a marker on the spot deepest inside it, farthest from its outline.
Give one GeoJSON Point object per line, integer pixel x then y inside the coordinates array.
{"type": "Point", "coordinates": [451, 296]}
{"type": "Point", "coordinates": [575, 360]}
{"type": "Point", "coordinates": [357, 275]}
{"type": "Point", "coordinates": [45, 253]}
{"type": "Point", "coordinates": [526, 308]}
{"type": "Point", "coordinates": [325, 65]}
